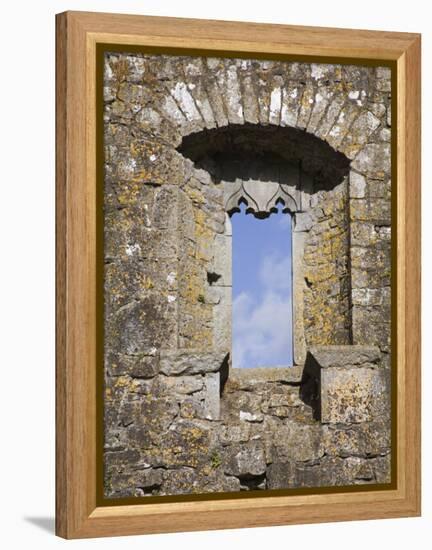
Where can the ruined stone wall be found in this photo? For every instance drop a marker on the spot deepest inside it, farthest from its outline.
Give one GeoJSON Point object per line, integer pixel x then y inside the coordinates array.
{"type": "Point", "coordinates": [327, 304]}
{"type": "Point", "coordinates": [177, 419]}
{"type": "Point", "coordinates": [323, 425]}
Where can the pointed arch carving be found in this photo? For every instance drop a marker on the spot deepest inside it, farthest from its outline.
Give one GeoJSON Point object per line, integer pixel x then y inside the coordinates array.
{"type": "Point", "coordinates": [261, 198]}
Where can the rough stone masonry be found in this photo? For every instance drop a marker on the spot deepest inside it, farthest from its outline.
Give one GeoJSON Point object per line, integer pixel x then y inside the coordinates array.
{"type": "Point", "coordinates": [187, 139]}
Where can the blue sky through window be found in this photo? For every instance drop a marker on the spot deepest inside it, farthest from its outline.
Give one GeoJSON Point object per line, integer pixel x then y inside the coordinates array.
{"type": "Point", "coordinates": [262, 290]}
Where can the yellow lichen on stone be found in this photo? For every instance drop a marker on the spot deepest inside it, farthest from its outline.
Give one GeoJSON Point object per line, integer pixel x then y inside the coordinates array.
{"type": "Point", "coordinates": [147, 282]}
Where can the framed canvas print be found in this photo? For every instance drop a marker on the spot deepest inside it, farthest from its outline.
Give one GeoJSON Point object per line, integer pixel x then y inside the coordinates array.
{"type": "Point", "coordinates": [238, 259]}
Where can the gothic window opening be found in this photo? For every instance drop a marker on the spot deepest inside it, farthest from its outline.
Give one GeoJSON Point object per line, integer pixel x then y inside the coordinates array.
{"type": "Point", "coordinates": [262, 297]}
{"type": "Point", "coordinates": [253, 175]}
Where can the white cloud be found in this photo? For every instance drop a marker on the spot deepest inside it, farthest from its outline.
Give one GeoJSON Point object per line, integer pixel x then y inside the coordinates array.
{"type": "Point", "coordinates": [262, 330]}
{"type": "Point", "coordinates": [262, 317]}
{"type": "Point", "coordinates": [275, 272]}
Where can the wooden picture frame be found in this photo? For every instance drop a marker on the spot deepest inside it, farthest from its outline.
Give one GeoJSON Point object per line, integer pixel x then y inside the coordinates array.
{"type": "Point", "coordinates": [78, 514]}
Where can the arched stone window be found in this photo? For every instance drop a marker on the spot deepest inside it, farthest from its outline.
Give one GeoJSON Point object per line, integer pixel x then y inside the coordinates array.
{"type": "Point", "coordinates": [266, 167]}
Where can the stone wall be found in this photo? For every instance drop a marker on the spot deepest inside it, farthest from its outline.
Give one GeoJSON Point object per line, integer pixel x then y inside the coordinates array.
{"type": "Point", "coordinates": [179, 132]}
{"type": "Point", "coordinates": [323, 425]}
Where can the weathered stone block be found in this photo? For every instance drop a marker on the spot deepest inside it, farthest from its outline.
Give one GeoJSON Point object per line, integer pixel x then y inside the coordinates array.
{"type": "Point", "coordinates": [222, 252]}
{"type": "Point", "coordinates": [140, 437]}
{"type": "Point", "coordinates": [275, 100]}
{"type": "Point", "coordinates": [322, 99]}
{"type": "Point", "coordinates": [251, 417]}
{"type": "Point", "coordinates": [306, 106]}
{"type": "Point", "coordinates": [233, 98]}
{"type": "Point", "coordinates": [115, 459]}
{"type": "Point", "coordinates": [212, 396]}
{"type": "Point", "coordinates": [362, 128]}
{"type": "Point", "coordinates": [140, 325]}
{"type": "Point", "coordinates": [329, 118]}
{"type": "Point", "coordinates": [374, 159]}
{"type": "Point", "coordinates": [141, 365]}
{"type": "Point", "coordinates": [216, 102]}
{"type": "Point", "coordinates": [357, 185]}
{"type": "Point", "coordinates": [185, 443]}
{"type": "Point", "coordinates": [243, 461]}
{"type": "Point", "coordinates": [303, 221]}
{"type": "Point", "coordinates": [235, 433]}
{"type": "Point", "coordinates": [336, 471]}
{"type": "Point", "coordinates": [343, 122]}
{"type": "Point", "coordinates": [182, 385]}
{"type": "Point", "coordinates": [190, 361]}
{"type": "Point", "coordinates": [353, 395]}
{"type": "Point", "coordinates": [363, 234]}
{"type": "Point", "coordinates": [296, 441]}
{"type": "Point", "coordinates": [222, 319]}
{"type": "Point", "coordinates": [369, 296]}
{"type": "Point", "coordinates": [250, 103]}
{"type": "Point", "coordinates": [135, 483]}
{"type": "Point", "coordinates": [371, 326]}
{"type": "Point", "coordinates": [365, 439]}
{"type": "Point", "coordinates": [180, 481]}
{"type": "Point", "coordinates": [157, 413]}
{"type": "Point", "coordinates": [290, 105]}
{"type": "Point", "coordinates": [191, 408]}
{"type": "Point", "coordinates": [280, 474]}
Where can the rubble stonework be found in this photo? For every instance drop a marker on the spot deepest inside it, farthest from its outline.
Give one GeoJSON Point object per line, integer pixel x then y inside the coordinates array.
{"type": "Point", "coordinates": [185, 139]}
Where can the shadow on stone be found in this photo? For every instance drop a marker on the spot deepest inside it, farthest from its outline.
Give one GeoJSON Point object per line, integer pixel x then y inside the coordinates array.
{"type": "Point", "coordinates": [253, 483]}
{"type": "Point", "coordinates": [310, 386]}
{"type": "Point", "coordinates": [255, 151]}
{"type": "Point", "coordinates": [224, 372]}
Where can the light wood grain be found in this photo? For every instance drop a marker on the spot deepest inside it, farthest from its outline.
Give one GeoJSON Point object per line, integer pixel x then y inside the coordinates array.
{"type": "Point", "coordinates": [61, 361]}
{"type": "Point", "coordinates": [76, 320]}
{"type": "Point", "coordinates": [254, 37]}
{"type": "Point", "coordinates": [76, 512]}
{"type": "Point", "coordinates": [412, 262]}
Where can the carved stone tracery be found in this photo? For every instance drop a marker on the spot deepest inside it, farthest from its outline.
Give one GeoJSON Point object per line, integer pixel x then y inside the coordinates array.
{"type": "Point", "coordinates": [263, 197]}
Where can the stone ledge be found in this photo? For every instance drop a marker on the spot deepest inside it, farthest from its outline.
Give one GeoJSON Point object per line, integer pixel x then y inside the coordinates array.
{"type": "Point", "coordinates": [191, 361]}
{"type": "Point", "coordinates": [346, 356]}
{"type": "Point", "coordinates": [245, 378]}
